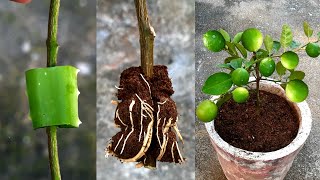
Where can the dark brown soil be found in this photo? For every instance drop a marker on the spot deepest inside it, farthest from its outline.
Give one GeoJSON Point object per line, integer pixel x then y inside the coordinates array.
{"type": "Point", "coordinates": [271, 127]}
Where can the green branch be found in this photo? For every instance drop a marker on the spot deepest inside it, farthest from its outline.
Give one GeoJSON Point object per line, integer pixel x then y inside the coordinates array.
{"type": "Point", "coordinates": [52, 53]}
{"type": "Point", "coordinates": [52, 43]}
{"type": "Point", "coordinates": [53, 153]}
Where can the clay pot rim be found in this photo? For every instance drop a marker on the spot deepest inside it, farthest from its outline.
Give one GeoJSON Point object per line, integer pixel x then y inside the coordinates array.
{"type": "Point", "coordinates": [303, 133]}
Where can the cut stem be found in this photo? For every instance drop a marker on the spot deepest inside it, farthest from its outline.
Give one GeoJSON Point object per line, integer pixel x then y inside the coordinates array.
{"type": "Point", "coordinates": [147, 35]}
{"type": "Point", "coordinates": [53, 153]}
{"type": "Point", "coordinates": [52, 53]}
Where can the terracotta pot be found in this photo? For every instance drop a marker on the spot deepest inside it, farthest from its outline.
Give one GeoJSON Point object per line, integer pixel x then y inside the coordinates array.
{"type": "Point", "coordinates": [239, 164]}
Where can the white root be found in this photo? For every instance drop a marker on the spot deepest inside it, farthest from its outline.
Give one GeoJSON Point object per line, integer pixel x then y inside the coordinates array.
{"type": "Point", "coordinates": [130, 112]}
{"type": "Point", "coordinates": [175, 127]}
{"type": "Point", "coordinates": [118, 143]}
{"type": "Point", "coordinates": [146, 83]}
{"type": "Point", "coordinates": [117, 116]}
{"type": "Point", "coordinates": [141, 119]}
{"type": "Point", "coordinates": [165, 128]}
{"type": "Point", "coordinates": [148, 136]}
{"type": "Point", "coordinates": [182, 160]}
{"type": "Point", "coordinates": [132, 125]}
{"type": "Point", "coordinates": [158, 122]}
{"type": "Point", "coordinates": [117, 87]}
{"type": "Point", "coordinates": [125, 141]}
{"type": "Point", "coordinates": [172, 152]}
{"type": "Point", "coordinates": [148, 109]}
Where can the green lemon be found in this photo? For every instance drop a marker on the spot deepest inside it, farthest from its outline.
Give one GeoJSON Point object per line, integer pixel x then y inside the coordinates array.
{"type": "Point", "coordinates": [206, 111]}
{"type": "Point", "coordinates": [240, 95]}
{"type": "Point", "coordinates": [297, 90]}
{"type": "Point", "coordinates": [289, 60]}
{"type": "Point", "coordinates": [252, 39]}
{"type": "Point", "coordinates": [240, 77]}
{"type": "Point", "coordinates": [214, 41]}
{"type": "Point", "coordinates": [267, 66]}
{"type": "Point", "coordinates": [313, 50]}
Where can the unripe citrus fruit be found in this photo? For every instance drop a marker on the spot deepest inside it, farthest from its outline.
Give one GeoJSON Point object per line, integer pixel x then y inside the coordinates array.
{"type": "Point", "coordinates": [289, 60]}
{"type": "Point", "coordinates": [206, 111]}
{"type": "Point", "coordinates": [252, 39]}
{"type": "Point", "coordinates": [313, 50]}
{"type": "Point", "coordinates": [267, 66]}
{"type": "Point", "coordinates": [297, 90]}
{"type": "Point", "coordinates": [240, 77]}
{"type": "Point", "coordinates": [214, 41]}
{"type": "Point", "coordinates": [240, 95]}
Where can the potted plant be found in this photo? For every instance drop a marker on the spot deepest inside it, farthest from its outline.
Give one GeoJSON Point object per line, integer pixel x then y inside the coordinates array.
{"type": "Point", "coordinates": [260, 123]}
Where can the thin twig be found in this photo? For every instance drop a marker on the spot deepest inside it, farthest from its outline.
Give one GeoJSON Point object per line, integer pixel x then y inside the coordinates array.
{"type": "Point", "coordinates": [52, 52]}
{"type": "Point", "coordinates": [53, 153]}
{"type": "Point", "coordinates": [147, 36]}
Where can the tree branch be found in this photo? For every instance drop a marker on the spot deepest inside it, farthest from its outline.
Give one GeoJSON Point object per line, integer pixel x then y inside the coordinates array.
{"type": "Point", "coordinates": [147, 36]}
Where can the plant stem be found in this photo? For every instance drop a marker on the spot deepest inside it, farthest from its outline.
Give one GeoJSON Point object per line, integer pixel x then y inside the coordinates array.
{"type": "Point", "coordinates": [258, 78]}
{"type": "Point", "coordinates": [52, 53]}
{"type": "Point", "coordinates": [52, 44]}
{"type": "Point", "coordinates": [53, 153]}
{"type": "Point", "coordinates": [147, 35]}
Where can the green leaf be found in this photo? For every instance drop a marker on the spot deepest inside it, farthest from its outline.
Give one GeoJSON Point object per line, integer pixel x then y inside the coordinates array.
{"type": "Point", "coordinates": [232, 48]}
{"type": "Point", "coordinates": [217, 84]}
{"type": "Point", "coordinates": [262, 54]}
{"type": "Point", "coordinates": [280, 69]}
{"type": "Point", "coordinates": [286, 36]}
{"type": "Point", "coordinates": [226, 66]}
{"type": "Point", "coordinates": [225, 35]}
{"type": "Point", "coordinates": [268, 43]}
{"type": "Point", "coordinates": [228, 59]}
{"type": "Point", "coordinates": [276, 46]}
{"type": "Point", "coordinates": [294, 44]}
{"type": "Point", "coordinates": [237, 37]}
{"type": "Point", "coordinates": [297, 75]}
{"type": "Point", "coordinates": [318, 35]}
{"type": "Point", "coordinates": [242, 50]}
{"type": "Point", "coordinates": [248, 64]}
{"type": "Point", "coordinates": [223, 99]}
{"type": "Point", "coordinates": [236, 63]}
{"type": "Point", "coordinates": [307, 29]}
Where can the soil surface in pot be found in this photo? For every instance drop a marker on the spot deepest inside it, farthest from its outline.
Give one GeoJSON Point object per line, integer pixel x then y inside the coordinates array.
{"type": "Point", "coordinates": [270, 128]}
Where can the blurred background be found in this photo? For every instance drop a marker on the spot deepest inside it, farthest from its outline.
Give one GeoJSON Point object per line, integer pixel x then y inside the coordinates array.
{"type": "Point", "coordinates": [23, 32]}
{"type": "Point", "coordinates": [269, 17]}
{"type": "Point", "coordinates": [118, 49]}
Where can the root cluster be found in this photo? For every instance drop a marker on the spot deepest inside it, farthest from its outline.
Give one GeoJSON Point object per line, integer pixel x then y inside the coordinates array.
{"type": "Point", "coordinates": [147, 118]}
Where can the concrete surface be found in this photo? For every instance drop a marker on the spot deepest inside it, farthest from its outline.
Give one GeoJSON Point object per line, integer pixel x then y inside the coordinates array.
{"type": "Point", "coordinates": [268, 16]}
{"type": "Point", "coordinates": [118, 49]}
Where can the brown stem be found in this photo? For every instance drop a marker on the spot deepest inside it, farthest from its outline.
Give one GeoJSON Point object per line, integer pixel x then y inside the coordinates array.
{"type": "Point", "coordinates": [258, 78]}
{"type": "Point", "coordinates": [147, 35]}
